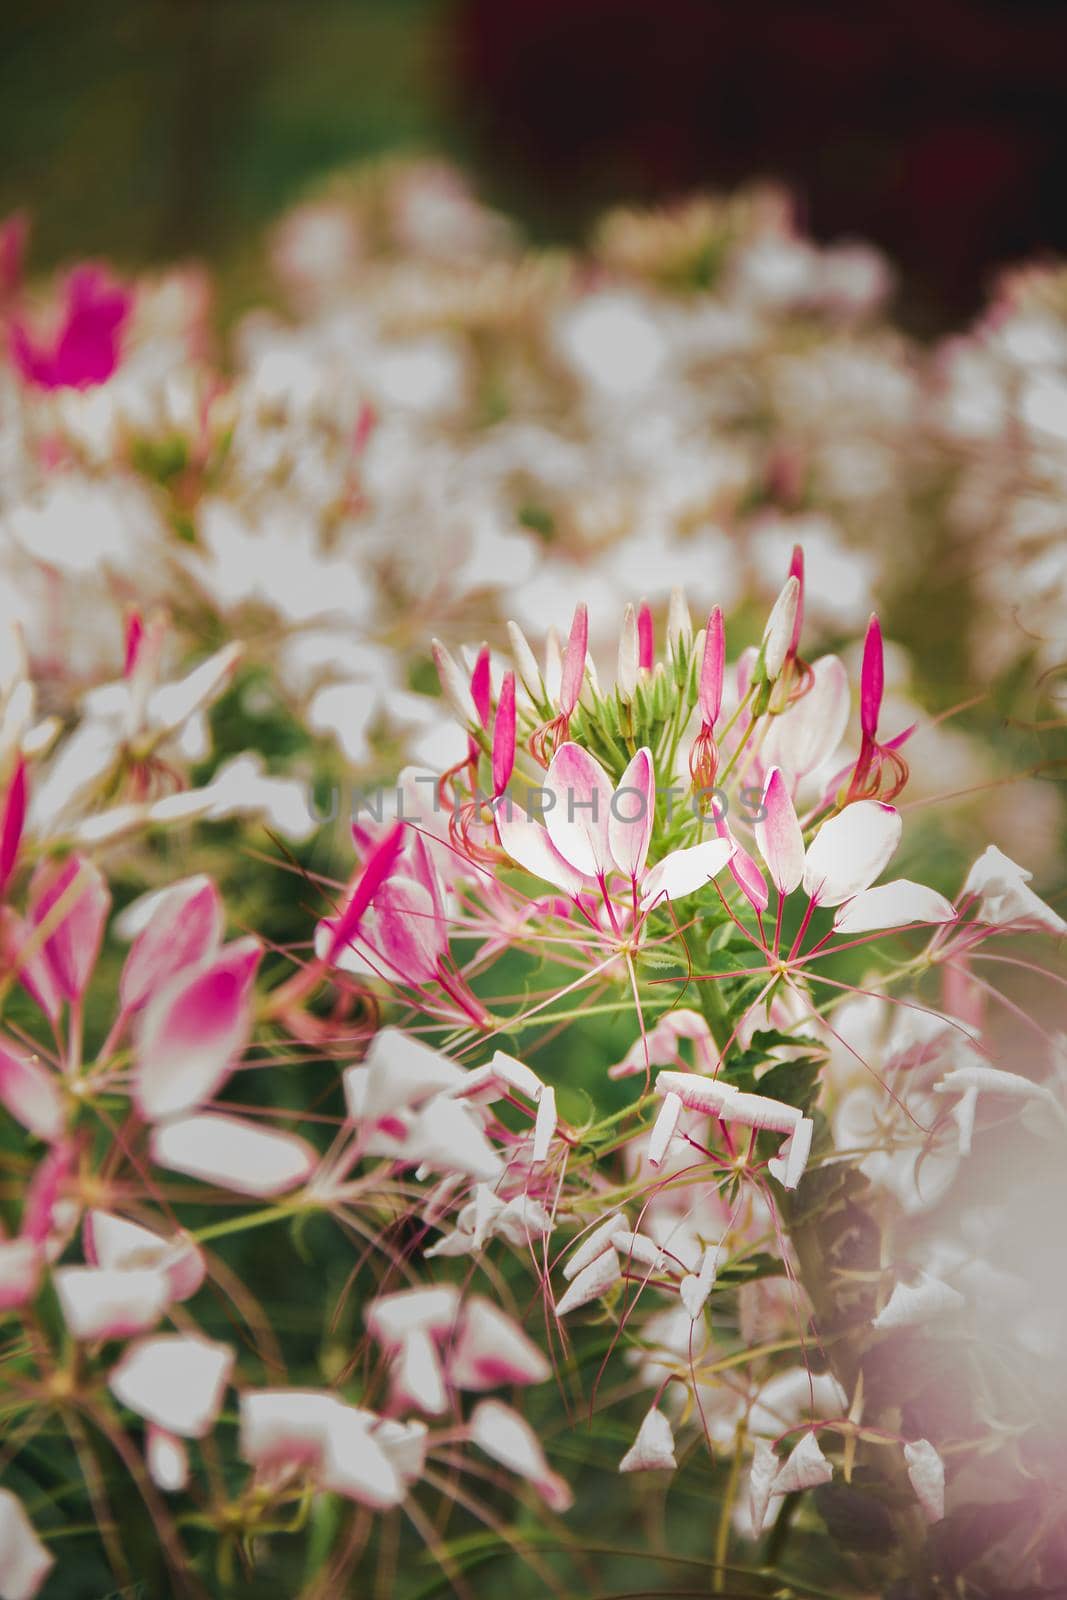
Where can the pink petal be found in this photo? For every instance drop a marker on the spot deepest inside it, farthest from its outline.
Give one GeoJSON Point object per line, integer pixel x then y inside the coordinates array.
{"type": "Point", "coordinates": [235, 1155]}
{"type": "Point", "coordinates": [504, 735]}
{"type": "Point", "coordinates": [31, 1094]}
{"type": "Point", "coordinates": [796, 570]}
{"type": "Point", "coordinates": [175, 1381]}
{"type": "Point", "coordinates": [778, 835]}
{"type": "Point", "coordinates": [185, 927]}
{"type": "Point", "coordinates": [850, 850]}
{"type": "Point", "coordinates": [374, 871]}
{"type": "Point", "coordinates": [632, 814]}
{"type": "Point", "coordinates": [78, 896]}
{"type": "Point", "coordinates": [12, 821]}
{"type": "Point", "coordinates": [578, 821]}
{"type": "Point", "coordinates": [744, 871]}
{"type": "Point", "coordinates": [646, 636]}
{"type": "Point", "coordinates": [111, 1241]}
{"type": "Point", "coordinates": [33, 969]}
{"type": "Point", "coordinates": [407, 934]}
{"type": "Point", "coordinates": [481, 686]}
{"type": "Point", "coordinates": [193, 1032]}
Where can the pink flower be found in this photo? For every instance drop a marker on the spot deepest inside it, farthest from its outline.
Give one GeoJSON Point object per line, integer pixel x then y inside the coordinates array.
{"type": "Point", "coordinates": [193, 1030]}
{"type": "Point", "coordinates": [86, 347]}
{"type": "Point", "coordinates": [70, 903]}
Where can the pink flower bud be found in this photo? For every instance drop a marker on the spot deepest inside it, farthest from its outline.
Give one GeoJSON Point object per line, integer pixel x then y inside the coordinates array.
{"type": "Point", "coordinates": [872, 679]}
{"type": "Point", "coordinates": [646, 638]}
{"type": "Point", "coordinates": [711, 670]}
{"type": "Point", "coordinates": [482, 686]}
{"type": "Point", "coordinates": [574, 661]}
{"type": "Point", "coordinates": [504, 736]}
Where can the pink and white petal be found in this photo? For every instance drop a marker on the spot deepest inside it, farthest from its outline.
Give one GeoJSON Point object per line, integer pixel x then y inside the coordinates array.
{"type": "Point", "coordinates": [403, 1072]}
{"type": "Point", "coordinates": [415, 1376]}
{"type": "Point", "coordinates": [591, 1283]}
{"type": "Point", "coordinates": [632, 815]}
{"type": "Point", "coordinates": [175, 1380]}
{"type": "Point", "coordinates": [778, 834]}
{"type": "Point", "coordinates": [490, 1350]}
{"type": "Point", "coordinates": [653, 1448]}
{"type": "Point", "coordinates": [507, 1439]}
{"type": "Point", "coordinates": [72, 900]}
{"type": "Point", "coordinates": [24, 1561]}
{"type": "Point", "coordinates": [893, 905]}
{"type": "Point", "coordinates": [21, 1261]}
{"type": "Point", "coordinates": [528, 844]}
{"type": "Point", "coordinates": [805, 1468]}
{"type": "Point", "coordinates": [110, 1302]}
{"type": "Point", "coordinates": [185, 928]}
{"type": "Point", "coordinates": [578, 822]}
{"type": "Point", "coordinates": [392, 1317]}
{"type": "Point", "coordinates": [233, 1154]}
{"type": "Point", "coordinates": [193, 1030]}
{"type": "Point", "coordinates": [31, 1094]}
{"type": "Point", "coordinates": [698, 1092]}
{"type": "Point", "coordinates": [850, 850]}
{"type": "Point", "coordinates": [685, 871]}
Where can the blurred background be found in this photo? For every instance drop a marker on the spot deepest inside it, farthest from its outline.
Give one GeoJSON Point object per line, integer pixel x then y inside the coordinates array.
{"type": "Point", "coordinates": [146, 130]}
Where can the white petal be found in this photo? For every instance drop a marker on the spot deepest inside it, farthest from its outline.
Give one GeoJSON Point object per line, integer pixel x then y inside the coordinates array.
{"type": "Point", "coordinates": [805, 1468]}
{"type": "Point", "coordinates": [24, 1560]}
{"type": "Point", "coordinates": [850, 850]}
{"type": "Point", "coordinates": [893, 905]}
{"type": "Point", "coordinates": [233, 1154]}
{"type": "Point", "coordinates": [592, 1283]}
{"type": "Point", "coordinates": [653, 1449]}
{"type": "Point", "coordinates": [911, 1304]}
{"type": "Point", "coordinates": [174, 1381]}
{"type": "Point", "coordinates": [663, 1128]}
{"type": "Point", "coordinates": [764, 1471]}
{"type": "Point", "coordinates": [593, 1244]}
{"type": "Point", "coordinates": [685, 871]}
{"type": "Point", "coordinates": [545, 1125]}
{"type": "Point", "coordinates": [927, 1473]}
{"type": "Point", "coordinates": [508, 1439]}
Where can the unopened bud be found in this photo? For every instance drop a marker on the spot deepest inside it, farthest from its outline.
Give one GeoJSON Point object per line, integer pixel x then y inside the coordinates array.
{"type": "Point", "coordinates": [679, 622]}
{"type": "Point", "coordinates": [454, 686]}
{"type": "Point", "coordinates": [627, 676]}
{"type": "Point", "coordinates": [778, 634]}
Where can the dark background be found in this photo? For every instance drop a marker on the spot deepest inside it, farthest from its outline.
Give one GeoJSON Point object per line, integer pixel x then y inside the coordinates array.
{"type": "Point", "coordinates": [154, 129]}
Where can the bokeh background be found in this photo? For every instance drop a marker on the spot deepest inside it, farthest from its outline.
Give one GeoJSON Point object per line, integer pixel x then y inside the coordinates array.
{"type": "Point", "coordinates": [147, 130]}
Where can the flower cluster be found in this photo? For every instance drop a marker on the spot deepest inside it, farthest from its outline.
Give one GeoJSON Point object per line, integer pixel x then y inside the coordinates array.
{"type": "Point", "coordinates": [669, 1080]}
